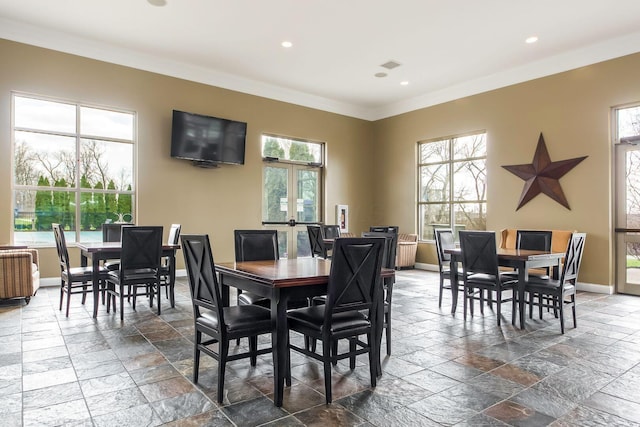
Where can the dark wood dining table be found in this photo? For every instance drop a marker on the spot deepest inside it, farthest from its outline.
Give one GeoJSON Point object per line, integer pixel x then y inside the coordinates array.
{"type": "Point", "coordinates": [281, 281]}
{"type": "Point", "coordinates": [520, 259]}
{"type": "Point", "coordinates": [101, 251]}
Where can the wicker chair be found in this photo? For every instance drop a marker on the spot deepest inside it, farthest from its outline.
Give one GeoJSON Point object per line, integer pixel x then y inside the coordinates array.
{"type": "Point", "coordinates": [406, 251]}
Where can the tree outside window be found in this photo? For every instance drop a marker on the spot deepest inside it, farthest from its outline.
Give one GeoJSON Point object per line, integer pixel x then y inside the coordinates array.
{"type": "Point", "coordinates": [452, 184]}
{"type": "Point", "coordinates": [73, 165]}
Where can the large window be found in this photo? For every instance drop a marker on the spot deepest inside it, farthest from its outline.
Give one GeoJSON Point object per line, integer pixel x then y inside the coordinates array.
{"type": "Point", "coordinates": [292, 178]}
{"type": "Point", "coordinates": [452, 184]}
{"type": "Point", "coordinates": [73, 165]}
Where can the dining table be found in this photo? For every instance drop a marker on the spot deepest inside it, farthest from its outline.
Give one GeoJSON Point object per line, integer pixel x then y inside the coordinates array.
{"type": "Point", "coordinates": [280, 281]}
{"type": "Point", "coordinates": [102, 251]}
{"type": "Point", "coordinates": [520, 259]}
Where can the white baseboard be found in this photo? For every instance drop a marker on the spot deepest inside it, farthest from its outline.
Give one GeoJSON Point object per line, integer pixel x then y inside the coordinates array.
{"type": "Point", "coordinates": [595, 288]}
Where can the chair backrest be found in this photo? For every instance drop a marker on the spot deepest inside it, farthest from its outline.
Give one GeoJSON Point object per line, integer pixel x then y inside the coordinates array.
{"type": "Point", "coordinates": [141, 247]}
{"type": "Point", "coordinates": [174, 234]}
{"type": "Point", "coordinates": [61, 248]}
{"type": "Point", "coordinates": [111, 232]}
{"type": "Point", "coordinates": [444, 240]}
{"type": "Point", "coordinates": [385, 228]}
{"type": "Point", "coordinates": [354, 280]}
{"type": "Point", "coordinates": [479, 253]}
{"type": "Point", "coordinates": [331, 231]}
{"type": "Point", "coordinates": [573, 258]}
{"type": "Point", "coordinates": [535, 240]}
{"type": "Point", "coordinates": [316, 241]}
{"type": "Point", "coordinates": [256, 245]}
{"type": "Point", "coordinates": [201, 272]}
{"type": "Point", "coordinates": [390, 247]}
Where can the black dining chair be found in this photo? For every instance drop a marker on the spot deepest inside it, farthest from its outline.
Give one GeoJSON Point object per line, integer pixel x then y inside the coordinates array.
{"type": "Point", "coordinates": [139, 267]}
{"type": "Point", "coordinates": [384, 228]}
{"type": "Point", "coordinates": [331, 231]}
{"type": "Point", "coordinates": [316, 241]}
{"type": "Point", "coordinates": [388, 261]}
{"type": "Point", "coordinates": [111, 232]}
{"type": "Point", "coordinates": [255, 245]}
{"type": "Point", "coordinates": [211, 319]}
{"type": "Point", "coordinates": [444, 240]}
{"type": "Point", "coordinates": [166, 280]}
{"type": "Point", "coordinates": [73, 280]}
{"type": "Point", "coordinates": [552, 293]}
{"type": "Point", "coordinates": [480, 271]}
{"type": "Point", "coordinates": [534, 240]}
{"type": "Point", "coordinates": [353, 298]}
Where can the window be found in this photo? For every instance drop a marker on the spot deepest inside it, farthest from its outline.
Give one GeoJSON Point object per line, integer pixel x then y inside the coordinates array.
{"type": "Point", "coordinates": [292, 189]}
{"type": "Point", "coordinates": [452, 184]}
{"type": "Point", "coordinates": [73, 165]}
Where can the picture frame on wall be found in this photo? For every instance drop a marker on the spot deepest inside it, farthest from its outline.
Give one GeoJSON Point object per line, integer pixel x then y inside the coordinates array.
{"type": "Point", "coordinates": [342, 218]}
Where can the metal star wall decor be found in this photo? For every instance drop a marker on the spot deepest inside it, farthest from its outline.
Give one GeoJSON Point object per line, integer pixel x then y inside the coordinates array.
{"type": "Point", "coordinates": [542, 175]}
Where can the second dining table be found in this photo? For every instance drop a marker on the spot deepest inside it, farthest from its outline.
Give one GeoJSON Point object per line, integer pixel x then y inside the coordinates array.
{"type": "Point", "coordinates": [520, 259]}
{"type": "Point", "coordinates": [280, 281]}
{"type": "Point", "coordinates": [102, 251]}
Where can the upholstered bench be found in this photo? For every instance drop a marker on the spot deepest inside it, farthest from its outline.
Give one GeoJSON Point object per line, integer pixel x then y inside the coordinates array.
{"type": "Point", "coordinates": [19, 273]}
{"type": "Point", "coordinates": [559, 239]}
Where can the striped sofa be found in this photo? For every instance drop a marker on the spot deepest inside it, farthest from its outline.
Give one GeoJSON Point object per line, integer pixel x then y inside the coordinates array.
{"type": "Point", "coordinates": [19, 273]}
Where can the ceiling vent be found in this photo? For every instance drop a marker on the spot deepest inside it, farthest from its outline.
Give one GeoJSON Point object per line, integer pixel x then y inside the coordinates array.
{"type": "Point", "coordinates": [390, 65]}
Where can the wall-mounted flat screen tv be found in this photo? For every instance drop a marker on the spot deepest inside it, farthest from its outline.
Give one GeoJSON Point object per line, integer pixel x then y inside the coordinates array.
{"type": "Point", "coordinates": [207, 140]}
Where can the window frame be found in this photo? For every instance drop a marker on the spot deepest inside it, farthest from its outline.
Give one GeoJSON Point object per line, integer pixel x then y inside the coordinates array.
{"type": "Point", "coordinates": [450, 199]}
{"type": "Point", "coordinates": [76, 190]}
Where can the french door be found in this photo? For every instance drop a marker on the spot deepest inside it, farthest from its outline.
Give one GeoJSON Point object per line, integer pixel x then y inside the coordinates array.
{"type": "Point", "coordinates": [627, 201]}
{"type": "Point", "coordinates": [291, 201]}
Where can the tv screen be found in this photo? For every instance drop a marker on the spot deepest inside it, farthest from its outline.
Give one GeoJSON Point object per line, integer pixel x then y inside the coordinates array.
{"type": "Point", "coordinates": [206, 139]}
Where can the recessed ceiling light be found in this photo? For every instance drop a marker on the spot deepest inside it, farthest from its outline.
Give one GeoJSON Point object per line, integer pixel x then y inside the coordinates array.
{"type": "Point", "coordinates": [531, 39]}
{"type": "Point", "coordinates": [286, 44]}
{"type": "Point", "coordinates": [380, 74]}
{"type": "Point", "coordinates": [404, 83]}
{"type": "Point", "coordinates": [157, 2]}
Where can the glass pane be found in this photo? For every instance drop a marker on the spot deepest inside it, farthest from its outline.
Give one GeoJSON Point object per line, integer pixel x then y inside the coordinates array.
{"type": "Point", "coordinates": [629, 122]}
{"type": "Point", "coordinates": [106, 123]}
{"type": "Point", "coordinates": [469, 180]}
{"type": "Point", "coordinates": [307, 197]}
{"type": "Point", "coordinates": [434, 183]}
{"type": "Point", "coordinates": [44, 160]}
{"type": "Point", "coordinates": [44, 115]}
{"type": "Point", "coordinates": [470, 216]}
{"type": "Point", "coordinates": [633, 263]}
{"type": "Point", "coordinates": [107, 164]}
{"type": "Point", "coordinates": [289, 149]}
{"type": "Point", "coordinates": [434, 152]}
{"type": "Point", "coordinates": [433, 216]}
{"type": "Point", "coordinates": [304, 249]}
{"type": "Point", "coordinates": [35, 211]}
{"type": "Point", "coordinates": [633, 189]}
{"type": "Point", "coordinates": [283, 242]}
{"type": "Point", "coordinates": [470, 146]}
{"type": "Point", "coordinates": [96, 208]}
{"type": "Point", "coordinates": [275, 194]}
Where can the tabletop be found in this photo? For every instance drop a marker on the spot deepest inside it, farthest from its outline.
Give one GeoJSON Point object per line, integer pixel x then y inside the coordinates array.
{"type": "Point", "coordinates": [285, 272]}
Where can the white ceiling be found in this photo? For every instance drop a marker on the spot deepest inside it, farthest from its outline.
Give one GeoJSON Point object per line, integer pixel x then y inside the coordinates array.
{"type": "Point", "coordinates": [447, 48]}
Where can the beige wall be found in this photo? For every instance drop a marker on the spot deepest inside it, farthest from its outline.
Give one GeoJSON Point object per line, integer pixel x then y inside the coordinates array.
{"type": "Point", "coordinates": [170, 190]}
{"type": "Point", "coordinates": [571, 109]}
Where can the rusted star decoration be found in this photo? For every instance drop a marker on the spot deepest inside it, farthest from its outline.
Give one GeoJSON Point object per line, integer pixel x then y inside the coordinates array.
{"type": "Point", "coordinates": [542, 175]}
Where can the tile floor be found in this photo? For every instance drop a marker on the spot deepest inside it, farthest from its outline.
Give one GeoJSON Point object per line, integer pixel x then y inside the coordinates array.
{"type": "Point", "coordinates": [83, 372]}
